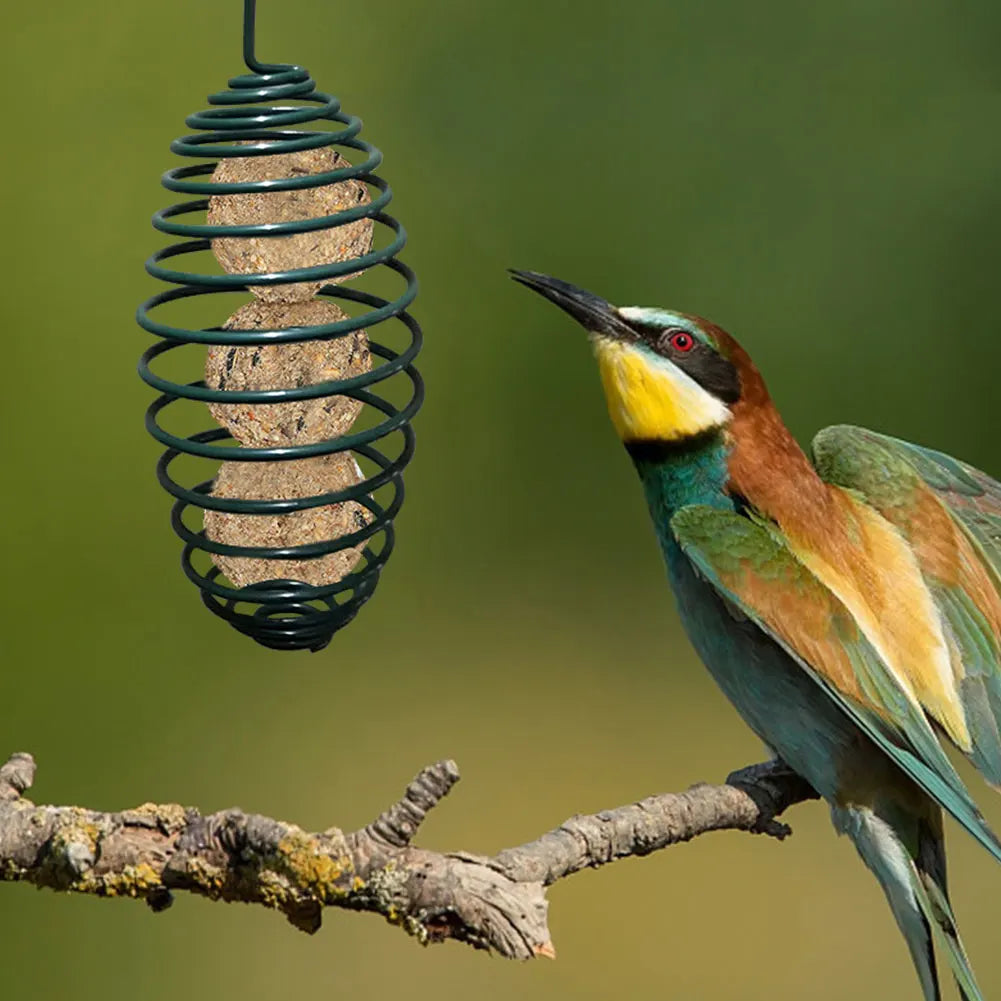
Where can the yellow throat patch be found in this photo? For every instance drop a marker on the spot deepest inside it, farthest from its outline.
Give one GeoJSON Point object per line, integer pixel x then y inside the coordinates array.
{"type": "Point", "coordinates": [649, 399]}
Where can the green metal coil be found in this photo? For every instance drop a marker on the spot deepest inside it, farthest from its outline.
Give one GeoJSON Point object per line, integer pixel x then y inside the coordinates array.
{"type": "Point", "coordinates": [282, 614]}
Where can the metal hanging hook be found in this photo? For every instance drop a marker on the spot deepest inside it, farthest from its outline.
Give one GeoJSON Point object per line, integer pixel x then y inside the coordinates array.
{"type": "Point", "coordinates": [249, 36]}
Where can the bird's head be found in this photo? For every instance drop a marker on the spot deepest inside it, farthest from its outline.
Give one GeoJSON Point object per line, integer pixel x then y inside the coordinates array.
{"type": "Point", "coordinates": [668, 377]}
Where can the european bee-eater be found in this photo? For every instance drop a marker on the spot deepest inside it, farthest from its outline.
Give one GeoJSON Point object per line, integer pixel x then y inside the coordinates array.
{"type": "Point", "coordinates": [848, 606]}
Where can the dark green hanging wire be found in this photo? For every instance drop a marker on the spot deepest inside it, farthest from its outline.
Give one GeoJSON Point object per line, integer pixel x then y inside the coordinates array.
{"type": "Point", "coordinates": [285, 613]}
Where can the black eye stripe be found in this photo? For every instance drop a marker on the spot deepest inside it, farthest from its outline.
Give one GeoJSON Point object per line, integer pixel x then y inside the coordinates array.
{"type": "Point", "coordinates": [650, 332]}
{"type": "Point", "coordinates": [710, 370]}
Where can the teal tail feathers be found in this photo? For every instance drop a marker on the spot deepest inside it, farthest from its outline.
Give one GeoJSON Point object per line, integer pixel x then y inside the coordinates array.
{"type": "Point", "coordinates": [915, 886]}
{"type": "Point", "coordinates": [935, 906]}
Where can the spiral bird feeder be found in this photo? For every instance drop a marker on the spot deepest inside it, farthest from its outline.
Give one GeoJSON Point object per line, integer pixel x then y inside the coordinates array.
{"type": "Point", "coordinates": [328, 423]}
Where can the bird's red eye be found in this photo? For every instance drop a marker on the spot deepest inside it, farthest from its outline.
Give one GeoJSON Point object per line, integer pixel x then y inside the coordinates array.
{"type": "Point", "coordinates": [681, 340]}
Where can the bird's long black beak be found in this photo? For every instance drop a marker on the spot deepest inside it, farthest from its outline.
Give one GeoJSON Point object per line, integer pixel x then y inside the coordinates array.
{"type": "Point", "coordinates": [593, 313]}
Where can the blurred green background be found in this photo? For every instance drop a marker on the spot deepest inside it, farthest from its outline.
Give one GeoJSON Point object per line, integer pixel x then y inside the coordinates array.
{"type": "Point", "coordinates": [821, 179]}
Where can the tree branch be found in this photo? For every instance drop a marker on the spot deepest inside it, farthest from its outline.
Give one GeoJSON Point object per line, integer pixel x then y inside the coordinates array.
{"type": "Point", "coordinates": [494, 903]}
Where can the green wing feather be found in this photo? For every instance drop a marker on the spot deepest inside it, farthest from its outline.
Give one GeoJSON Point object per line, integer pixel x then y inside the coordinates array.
{"type": "Point", "coordinates": [926, 495]}
{"type": "Point", "coordinates": [886, 469]}
{"type": "Point", "coordinates": [972, 496]}
{"type": "Point", "coordinates": [751, 567]}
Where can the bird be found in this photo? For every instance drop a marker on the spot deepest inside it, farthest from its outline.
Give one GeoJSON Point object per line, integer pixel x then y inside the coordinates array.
{"type": "Point", "coordinates": [847, 602]}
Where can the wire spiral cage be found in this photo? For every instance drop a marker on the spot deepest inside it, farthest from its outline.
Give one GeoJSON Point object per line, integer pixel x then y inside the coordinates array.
{"type": "Point", "coordinates": [244, 121]}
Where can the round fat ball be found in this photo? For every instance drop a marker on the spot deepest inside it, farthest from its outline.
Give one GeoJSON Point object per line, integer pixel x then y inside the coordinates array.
{"type": "Point", "coordinates": [264, 254]}
{"type": "Point", "coordinates": [282, 481]}
{"type": "Point", "coordinates": [286, 366]}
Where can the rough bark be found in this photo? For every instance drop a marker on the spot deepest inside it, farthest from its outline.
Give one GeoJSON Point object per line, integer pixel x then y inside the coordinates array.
{"type": "Point", "coordinates": [496, 903]}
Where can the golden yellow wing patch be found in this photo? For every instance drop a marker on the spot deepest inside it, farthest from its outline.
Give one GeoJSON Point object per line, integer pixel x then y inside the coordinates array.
{"type": "Point", "coordinates": [868, 565]}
